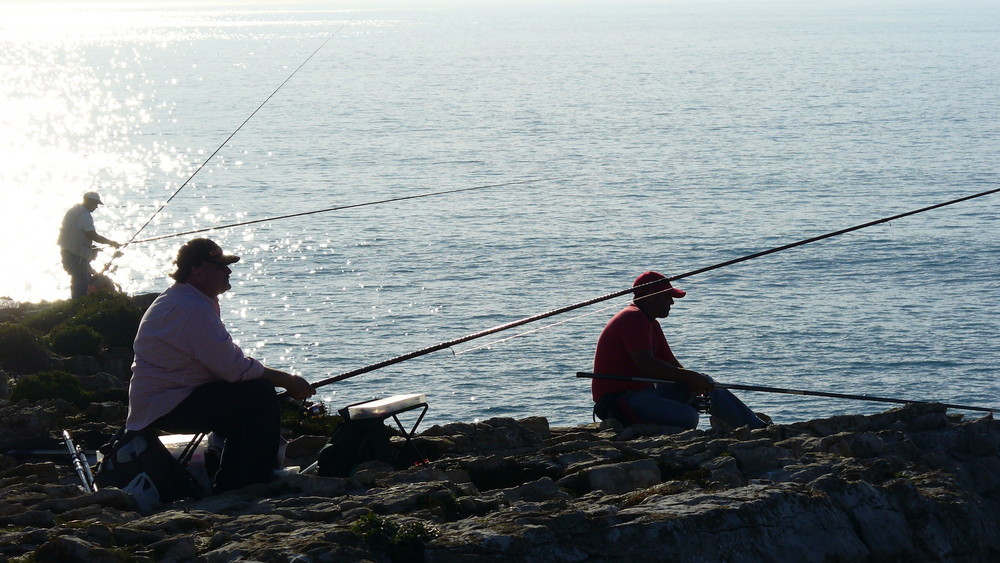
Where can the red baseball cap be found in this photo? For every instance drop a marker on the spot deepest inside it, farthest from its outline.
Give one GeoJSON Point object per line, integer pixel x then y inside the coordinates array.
{"type": "Point", "coordinates": [652, 277]}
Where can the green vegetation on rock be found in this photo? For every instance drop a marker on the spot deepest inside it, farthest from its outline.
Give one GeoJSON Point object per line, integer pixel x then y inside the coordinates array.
{"type": "Point", "coordinates": [113, 315]}
{"type": "Point", "coordinates": [70, 339]}
{"type": "Point", "coordinates": [47, 317]}
{"type": "Point", "coordinates": [22, 350]}
{"type": "Point", "coordinates": [50, 385]}
{"type": "Point", "coordinates": [401, 542]}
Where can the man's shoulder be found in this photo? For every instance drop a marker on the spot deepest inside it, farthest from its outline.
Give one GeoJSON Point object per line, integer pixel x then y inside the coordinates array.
{"type": "Point", "coordinates": [628, 319]}
{"type": "Point", "coordinates": [184, 291]}
{"type": "Point", "coordinates": [631, 313]}
{"type": "Point", "coordinates": [82, 215]}
{"type": "Point", "coordinates": [76, 210]}
{"type": "Point", "coordinates": [177, 309]}
{"type": "Point", "coordinates": [178, 297]}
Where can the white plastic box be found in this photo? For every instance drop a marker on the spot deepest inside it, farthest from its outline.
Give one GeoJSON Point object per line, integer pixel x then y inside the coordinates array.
{"type": "Point", "coordinates": [385, 407]}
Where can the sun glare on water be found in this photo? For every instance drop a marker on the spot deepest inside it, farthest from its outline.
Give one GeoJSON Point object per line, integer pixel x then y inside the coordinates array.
{"type": "Point", "coordinates": [73, 104]}
{"type": "Point", "coordinates": [87, 105]}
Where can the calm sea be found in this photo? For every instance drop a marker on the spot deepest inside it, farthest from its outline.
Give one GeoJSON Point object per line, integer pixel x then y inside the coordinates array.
{"type": "Point", "coordinates": [667, 135]}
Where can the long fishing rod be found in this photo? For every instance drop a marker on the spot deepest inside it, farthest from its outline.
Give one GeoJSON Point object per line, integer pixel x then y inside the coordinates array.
{"type": "Point", "coordinates": [829, 235]}
{"type": "Point", "coordinates": [223, 144]}
{"type": "Point", "coordinates": [763, 389]}
{"type": "Point", "coordinates": [526, 320]}
{"type": "Point", "coordinates": [351, 206]}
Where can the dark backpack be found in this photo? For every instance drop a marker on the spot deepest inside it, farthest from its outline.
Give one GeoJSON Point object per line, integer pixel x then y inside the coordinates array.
{"type": "Point", "coordinates": [353, 443]}
{"type": "Point", "coordinates": [138, 463]}
{"type": "Point", "coordinates": [614, 405]}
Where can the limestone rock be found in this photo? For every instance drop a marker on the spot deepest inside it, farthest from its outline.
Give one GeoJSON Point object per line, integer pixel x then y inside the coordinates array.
{"type": "Point", "coordinates": [909, 484]}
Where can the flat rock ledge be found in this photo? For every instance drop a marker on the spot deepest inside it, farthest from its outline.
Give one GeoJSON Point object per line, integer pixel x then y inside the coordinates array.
{"type": "Point", "coordinates": [910, 484]}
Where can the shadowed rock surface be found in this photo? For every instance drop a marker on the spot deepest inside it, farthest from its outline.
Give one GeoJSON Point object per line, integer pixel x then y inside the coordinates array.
{"type": "Point", "coordinates": [910, 484]}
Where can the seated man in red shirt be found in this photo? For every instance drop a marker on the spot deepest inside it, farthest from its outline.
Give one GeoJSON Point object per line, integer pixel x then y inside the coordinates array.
{"type": "Point", "coordinates": [632, 344]}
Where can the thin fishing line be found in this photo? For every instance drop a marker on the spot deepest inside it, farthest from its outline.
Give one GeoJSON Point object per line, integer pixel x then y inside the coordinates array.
{"type": "Point", "coordinates": [650, 285]}
{"type": "Point", "coordinates": [351, 206]}
{"type": "Point", "coordinates": [534, 330]}
{"type": "Point", "coordinates": [828, 235]}
{"type": "Point", "coordinates": [233, 134]}
{"type": "Point", "coordinates": [803, 392]}
{"type": "Point", "coordinates": [548, 326]}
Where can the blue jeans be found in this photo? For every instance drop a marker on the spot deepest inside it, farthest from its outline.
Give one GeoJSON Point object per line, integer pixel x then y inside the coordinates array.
{"type": "Point", "coordinates": [669, 404]}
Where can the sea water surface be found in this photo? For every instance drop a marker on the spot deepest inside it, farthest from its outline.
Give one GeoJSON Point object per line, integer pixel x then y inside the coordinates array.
{"type": "Point", "coordinates": [667, 135]}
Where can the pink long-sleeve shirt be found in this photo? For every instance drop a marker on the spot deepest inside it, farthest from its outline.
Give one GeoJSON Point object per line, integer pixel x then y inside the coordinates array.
{"type": "Point", "coordinates": [181, 344]}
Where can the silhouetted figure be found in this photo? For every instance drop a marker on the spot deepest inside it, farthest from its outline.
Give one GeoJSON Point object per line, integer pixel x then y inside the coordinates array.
{"type": "Point", "coordinates": [76, 239]}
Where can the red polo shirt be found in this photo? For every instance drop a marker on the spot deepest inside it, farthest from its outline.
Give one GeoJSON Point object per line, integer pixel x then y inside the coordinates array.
{"type": "Point", "coordinates": [630, 330]}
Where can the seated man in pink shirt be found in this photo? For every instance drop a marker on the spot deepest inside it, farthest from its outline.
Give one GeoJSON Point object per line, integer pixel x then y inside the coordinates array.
{"type": "Point", "coordinates": [189, 376]}
{"type": "Point", "coordinates": [632, 344]}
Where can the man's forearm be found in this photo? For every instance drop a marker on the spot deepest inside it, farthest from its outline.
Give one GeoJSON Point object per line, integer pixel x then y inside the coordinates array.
{"type": "Point", "coordinates": [276, 377]}
{"type": "Point", "coordinates": [296, 386]}
{"type": "Point", "coordinates": [92, 235]}
{"type": "Point", "coordinates": [650, 366]}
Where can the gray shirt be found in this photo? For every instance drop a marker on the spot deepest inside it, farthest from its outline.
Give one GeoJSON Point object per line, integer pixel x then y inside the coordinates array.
{"type": "Point", "coordinates": [73, 234]}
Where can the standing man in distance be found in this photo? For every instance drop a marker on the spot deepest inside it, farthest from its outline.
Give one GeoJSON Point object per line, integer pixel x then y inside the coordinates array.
{"type": "Point", "coordinates": [189, 376]}
{"type": "Point", "coordinates": [76, 238]}
{"type": "Point", "coordinates": [632, 344]}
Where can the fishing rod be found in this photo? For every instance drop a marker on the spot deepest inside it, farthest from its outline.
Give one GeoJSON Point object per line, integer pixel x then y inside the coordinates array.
{"type": "Point", "coordinates": [763, 389]}
{"type": "Point", "coordinates": [80, 464]}
{"type": "Point", "coordinates": [223, 144]}
{"type": "Point", "coordinates": [351, 206]}
{"type": "Point", "coordinates": [526, 320]}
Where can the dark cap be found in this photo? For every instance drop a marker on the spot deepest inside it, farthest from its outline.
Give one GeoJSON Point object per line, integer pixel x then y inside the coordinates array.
{"type": "Point", "coordinates": [652, 277]}
{"type": "Point", "coordinates": [200, 250]}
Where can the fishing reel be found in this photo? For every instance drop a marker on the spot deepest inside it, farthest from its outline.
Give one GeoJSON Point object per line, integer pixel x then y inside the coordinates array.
{"type": "Point", "coordinates": [313, 410]}
{"type": "Point", "coordinates": [702, 403]}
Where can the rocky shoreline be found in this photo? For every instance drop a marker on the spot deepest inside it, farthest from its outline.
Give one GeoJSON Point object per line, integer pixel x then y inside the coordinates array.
{"type": "Point", "coordinates": [910, 484]}
{"type": "Point", "coordinates": [917, 483]}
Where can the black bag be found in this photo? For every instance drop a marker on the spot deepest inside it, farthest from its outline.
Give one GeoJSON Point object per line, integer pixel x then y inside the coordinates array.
{"type": "Point", "coordinates": [138, 463]}
{"type": "Point", "coordinates": [353, 443]}
{"type": "Point", "coordinates": [609, 406]}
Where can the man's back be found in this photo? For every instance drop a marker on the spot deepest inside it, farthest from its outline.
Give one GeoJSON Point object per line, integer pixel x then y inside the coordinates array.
{"type": "Point", "coordinates": [181, 344]}
{"type": "Point", "coordinates": [72, 235]}
{"type": "Point", "coordinates": [630, 330]}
